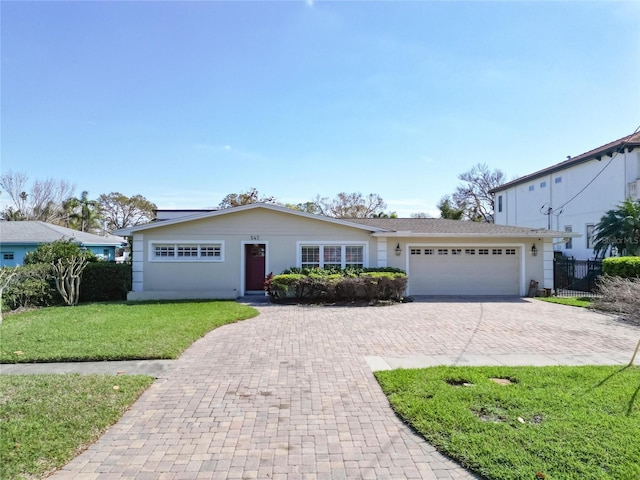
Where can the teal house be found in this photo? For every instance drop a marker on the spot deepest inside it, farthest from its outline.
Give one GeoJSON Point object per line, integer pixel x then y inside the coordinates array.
{"type": "Point", "coordinates": [18, 238]}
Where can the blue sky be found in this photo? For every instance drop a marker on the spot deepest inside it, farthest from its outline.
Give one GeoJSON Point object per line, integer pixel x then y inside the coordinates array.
{"type": "Point", "coordinates": [185, 102]}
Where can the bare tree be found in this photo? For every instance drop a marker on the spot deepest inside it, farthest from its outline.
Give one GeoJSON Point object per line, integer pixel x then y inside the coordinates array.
{"type": "Point", "coordinates": [120, 211]}
{"type": "Point", "coordinates": [67, 275]}
{"type": "Point", "coordinates": [43, 201]}
{"type": "Point", "coordinates": [351, 205]}
{"type": "Point", "coordinates": [420, 215]}
{"type": "Point", "coordinates": [473, 195]}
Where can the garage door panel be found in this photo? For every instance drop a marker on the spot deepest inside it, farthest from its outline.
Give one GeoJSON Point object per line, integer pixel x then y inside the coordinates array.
{"type": "Point", "coordinates": [467, 272]}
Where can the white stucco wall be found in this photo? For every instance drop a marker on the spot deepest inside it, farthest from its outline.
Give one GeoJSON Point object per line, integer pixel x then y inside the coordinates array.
{"type": "Point", "coordinates": [522, 206]}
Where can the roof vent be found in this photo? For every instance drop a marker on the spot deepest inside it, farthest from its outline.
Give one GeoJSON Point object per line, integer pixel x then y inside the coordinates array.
{"type": "Point", "coordinates": [568, 157]}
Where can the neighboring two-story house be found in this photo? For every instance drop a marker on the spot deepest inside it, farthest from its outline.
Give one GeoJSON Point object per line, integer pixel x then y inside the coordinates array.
{"type": "Point", "coordinates": [573, 195]}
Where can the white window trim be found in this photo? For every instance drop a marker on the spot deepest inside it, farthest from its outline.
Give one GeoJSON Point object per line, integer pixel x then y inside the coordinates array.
{"type": "Point", "coordinates": [337, 243]}
{"type": "Point", "coordinates": [152, 258]}
{"type": "Point", "coordinates": [589, 239]}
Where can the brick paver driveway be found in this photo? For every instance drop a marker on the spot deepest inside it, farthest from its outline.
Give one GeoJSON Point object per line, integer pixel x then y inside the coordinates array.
{"type": "Point", "coordinates": [289, 394]}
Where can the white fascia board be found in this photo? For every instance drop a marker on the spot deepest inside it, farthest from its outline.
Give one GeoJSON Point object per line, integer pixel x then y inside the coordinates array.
{"type": "Point", "coordinates": [477, 235]}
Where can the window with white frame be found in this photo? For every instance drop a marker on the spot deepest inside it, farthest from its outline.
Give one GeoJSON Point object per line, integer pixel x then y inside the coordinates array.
{"type": "Point", "coordinates": [416, 251]}
{"type": "Point", "coordinates": [354, 256]}
{"type": "Point", "coordinates": [456, 251]}
{"type": "Point", "coordinates": [332, 256]}
{"type": "Point", "coordinates": [310, 257]}
{"type": "Point", "coordinates": [510, 251]}
{"type": "Point", "coordinates": [483, 251]}
{"type": "Point", "coordinates": [443, 251]}
{"type": "Point", "coordinates": [470, 251]}
{"type": "Point", "coordinates": [558, 180]}
{"type": "Point", "coordinates": [531, 188]}
{"type": "Point", "coordinates": [499, 203]}
{"type": "Point", "coordinates": [164, 251]}
{"type": "Point", "coordinates": [210, 251]}
{"type": "Point", "coordinates": [428, 251]}
{"type": "Point", "coordinates": [569, 243]}
{"type": "Point", "coordinates": [186, 252]}
{"type": "Point", "coordinates": [543, 184]}
{"type": "Point", "coordinates": [496, 251]}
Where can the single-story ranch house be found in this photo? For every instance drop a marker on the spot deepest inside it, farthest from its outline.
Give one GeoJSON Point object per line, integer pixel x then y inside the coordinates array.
{"type": "Point", "coordinates": [19, 238]}
{"type": "Point", "coordinates": [227, 253]}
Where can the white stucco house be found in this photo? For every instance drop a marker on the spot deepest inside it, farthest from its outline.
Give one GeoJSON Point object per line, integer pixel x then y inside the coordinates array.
{"type": "Point", "coordinates": [573, 195]}
{"type": "Point", "coordinates": [227, 253]}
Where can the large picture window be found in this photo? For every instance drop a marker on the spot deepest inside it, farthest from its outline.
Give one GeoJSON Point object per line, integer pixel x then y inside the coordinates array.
{"type": "Point", "coordinates": [332, 256]}
{"type": "Point", "coordinates": [186, 252]}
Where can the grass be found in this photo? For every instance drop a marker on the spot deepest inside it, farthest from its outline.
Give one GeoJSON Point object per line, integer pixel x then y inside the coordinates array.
{"type": "Point", "coordinates": [583, 302]}
{"type": "Point", "coordinates": [113, 331]}
{"type": "Point", "coordinates": [46, 420]}
{"type": "Point", "coordinates": [551, 422]}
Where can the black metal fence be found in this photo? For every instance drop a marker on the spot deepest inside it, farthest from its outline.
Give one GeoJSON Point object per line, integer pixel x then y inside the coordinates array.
{"type": "Point", "coordinates": [575, 278]}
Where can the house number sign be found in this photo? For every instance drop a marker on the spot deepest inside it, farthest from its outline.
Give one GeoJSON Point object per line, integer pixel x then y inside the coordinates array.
{"type": "Point", "coordinates": [255, 237]}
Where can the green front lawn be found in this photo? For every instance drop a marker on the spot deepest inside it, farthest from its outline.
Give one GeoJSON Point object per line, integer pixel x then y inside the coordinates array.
{"type": "Point", "coordinates": [549, 422]}
{"type": "Point", "coordinates": [584, 302]}
{"type": "Point", "coordinates": [113, 331]}
{"type": "Point", "coordinates": [46, 420]}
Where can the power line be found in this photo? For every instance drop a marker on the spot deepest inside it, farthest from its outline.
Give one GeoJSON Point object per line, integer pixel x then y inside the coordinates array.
{"type": "Point", "coordinates": [621, 148]}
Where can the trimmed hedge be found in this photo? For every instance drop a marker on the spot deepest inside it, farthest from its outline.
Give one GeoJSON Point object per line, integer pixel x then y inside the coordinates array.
{"type": "Point", "coordinates": [626, 267]}
{"type": "Point", "coordinates": [327, 286]}
{"type": "Point", "coordinates": [33, 285]}
{"type": "Point", "coordinates": [105, 281]}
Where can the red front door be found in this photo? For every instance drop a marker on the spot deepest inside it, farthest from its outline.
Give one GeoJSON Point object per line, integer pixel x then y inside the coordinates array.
{"type": "Point", "coordinates": [254, 257]}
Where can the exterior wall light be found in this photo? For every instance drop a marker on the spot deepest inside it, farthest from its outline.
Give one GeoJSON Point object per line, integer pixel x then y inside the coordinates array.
{"type": "Point", "coordinates": [534, 250]}
{"type": "Point", "coordinates": [398, 250]}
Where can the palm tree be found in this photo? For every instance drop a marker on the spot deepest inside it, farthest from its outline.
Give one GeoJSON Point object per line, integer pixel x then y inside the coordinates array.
{"type": "Point", "coordinates": [84, 213]}
{"type": "Point", "coordinates": [619, 228]}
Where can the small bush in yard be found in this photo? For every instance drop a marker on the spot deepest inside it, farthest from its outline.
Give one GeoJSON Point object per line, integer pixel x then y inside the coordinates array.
{"type": "Point", "coordinates": [627, 267]}
{"type": "Point", "coordinates": [32, 286]}
{"type": "Point", "coordinates": [334, 285]}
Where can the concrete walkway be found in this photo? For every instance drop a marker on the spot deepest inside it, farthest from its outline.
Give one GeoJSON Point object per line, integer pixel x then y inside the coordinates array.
{"type": "Point", "coordinates": [290, 394]}
{"type": "Point", "coordinates": [153, 368]}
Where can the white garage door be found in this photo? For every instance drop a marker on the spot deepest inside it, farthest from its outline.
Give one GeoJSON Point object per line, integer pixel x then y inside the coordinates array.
{"type": "Point", "coordinates": [464, 270]}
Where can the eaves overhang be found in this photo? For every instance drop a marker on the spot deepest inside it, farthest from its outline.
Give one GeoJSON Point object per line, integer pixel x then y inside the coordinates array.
{"type": "Point", "coordinates": [532, 234]}
{"type": "Point", "coordinates": [628, 143]}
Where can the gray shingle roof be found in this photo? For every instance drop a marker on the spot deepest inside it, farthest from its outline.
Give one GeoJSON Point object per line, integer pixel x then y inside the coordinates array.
{"type": "Point", "coordinates": [32, 232]}
{"type": "Point", "coordinates": [444, 227]}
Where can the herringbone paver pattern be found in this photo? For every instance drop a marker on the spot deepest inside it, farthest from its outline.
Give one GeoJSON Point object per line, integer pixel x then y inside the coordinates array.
{"type": "Point", "coordinates": [289, 395]}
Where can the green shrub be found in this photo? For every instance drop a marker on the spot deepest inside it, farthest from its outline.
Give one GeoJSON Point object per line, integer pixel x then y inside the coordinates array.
{"type": "Point", "coordinates": [328, 286]}
{"type": "Point", "coordinates": [50, 252]}
{"type": "Point", "coordinates": [32, 286]}
{"type": "Point", "coordinates": [340, 271]}
{"type": "Point", "coordinates": [105, 281]}
{"type": "Point", "coordinates": [627, 267]}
